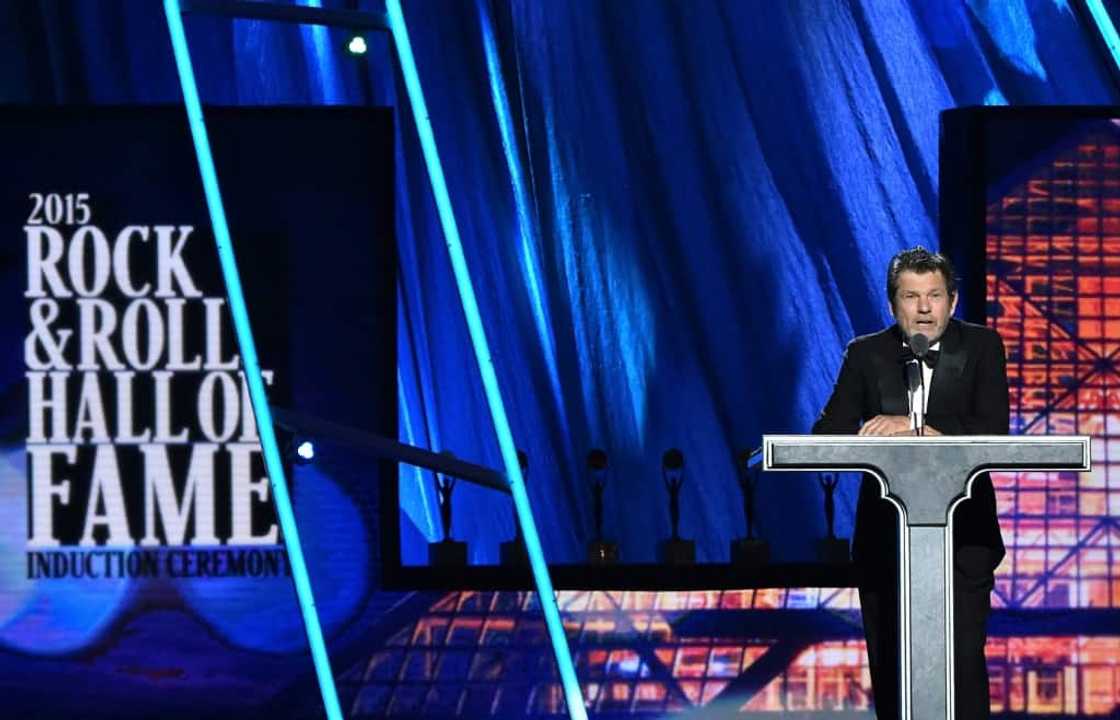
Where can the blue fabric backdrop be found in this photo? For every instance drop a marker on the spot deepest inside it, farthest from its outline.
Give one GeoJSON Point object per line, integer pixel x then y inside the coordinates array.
{"type": "Point", "coordinates": [676, 214]}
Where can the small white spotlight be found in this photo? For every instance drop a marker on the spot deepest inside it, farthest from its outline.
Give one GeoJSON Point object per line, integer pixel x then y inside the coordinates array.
{"type": "Point", "coordinates": [357, 45]}
{"type": "Point", "coordinates": [306, 451]}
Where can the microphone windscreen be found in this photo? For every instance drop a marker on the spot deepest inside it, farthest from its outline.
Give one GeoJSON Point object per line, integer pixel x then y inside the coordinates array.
{"type": "Point", "coordinates": [919, 343]}
{"type": "Point", "coordinates": [913, 375]}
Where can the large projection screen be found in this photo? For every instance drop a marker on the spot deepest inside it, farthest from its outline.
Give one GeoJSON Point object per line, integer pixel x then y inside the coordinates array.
{"type": "Point", "coordinates": [142, 568]}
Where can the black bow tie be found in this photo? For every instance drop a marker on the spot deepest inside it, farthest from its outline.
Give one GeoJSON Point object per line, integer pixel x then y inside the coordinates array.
{"type": "Point", "coordinates": [930, 358]}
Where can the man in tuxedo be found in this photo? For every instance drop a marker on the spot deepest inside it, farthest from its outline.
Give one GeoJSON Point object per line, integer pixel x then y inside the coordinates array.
{"type": "Point", "coordinates": [964, 393]}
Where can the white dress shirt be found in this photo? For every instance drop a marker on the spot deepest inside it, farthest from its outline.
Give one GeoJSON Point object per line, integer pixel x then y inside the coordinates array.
{"type": "Point", "coordinates": [919, 396]}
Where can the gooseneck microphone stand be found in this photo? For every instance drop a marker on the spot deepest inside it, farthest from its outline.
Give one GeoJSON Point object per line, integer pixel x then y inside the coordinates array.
{"type": "Point", "coordinates": [919, 345]}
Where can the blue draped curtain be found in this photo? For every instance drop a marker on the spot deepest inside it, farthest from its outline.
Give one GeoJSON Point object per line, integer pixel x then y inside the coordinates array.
{"type": "Point", "coordinates": [675, 213]}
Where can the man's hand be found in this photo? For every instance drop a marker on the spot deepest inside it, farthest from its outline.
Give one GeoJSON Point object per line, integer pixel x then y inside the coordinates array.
{"type": "Point", "coordinates": [894, 426]}
{"type": "Point", "coordinates": [886, 425]}
{"type": "Point", "coordinates": [930, 431]}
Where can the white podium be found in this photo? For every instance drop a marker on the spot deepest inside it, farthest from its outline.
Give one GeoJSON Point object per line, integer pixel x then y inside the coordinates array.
{"type": "Point", "coordinates": [925, 478]}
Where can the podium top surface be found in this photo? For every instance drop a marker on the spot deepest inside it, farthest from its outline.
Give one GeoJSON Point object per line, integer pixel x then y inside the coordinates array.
{"type": "Point", "coordinates": [993, 452]}
{"type": "Point", "coordinates": [926, 475]}
{"type": "Point", "coordinates": [926, 440]}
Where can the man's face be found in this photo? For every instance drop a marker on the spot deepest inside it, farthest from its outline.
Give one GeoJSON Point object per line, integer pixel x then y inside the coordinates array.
{"type": "Point", "coordinates": [922, 304]}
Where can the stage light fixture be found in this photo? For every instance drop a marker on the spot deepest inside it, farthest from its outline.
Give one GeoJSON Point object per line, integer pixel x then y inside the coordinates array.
{"type": "Point", "coordinates": [295, 447]}
{"type": "Point", "coordinates": [357, 45]}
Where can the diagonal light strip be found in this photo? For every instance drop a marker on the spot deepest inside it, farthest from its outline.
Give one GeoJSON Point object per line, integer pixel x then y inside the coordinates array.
{"type": "Point", "coordinates": [1081, 544]}
{"type": "Point", "coordinates": [572, 693]}
{"type": "Point", "coordinates": [1021, 295]}
{"type": "Point", "coordinates": [647, 652]}
{"type": "Point", "coordinates": [1007, 602]}
{"type": "Point", "coordinates": [1052, 406]}
{"type": "Point", "coordinates": [823, 602]}
{"type": "Point", "coordinates": [1043, 413]}
{"type": "Point", "coordinates": [249, 359]}
{"type": "Point", "coordinates": [1101, 18]}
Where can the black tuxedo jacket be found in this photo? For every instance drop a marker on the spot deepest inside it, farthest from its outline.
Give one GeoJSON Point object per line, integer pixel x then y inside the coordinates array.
{"type": "Point", "coordinates": [967, 396]}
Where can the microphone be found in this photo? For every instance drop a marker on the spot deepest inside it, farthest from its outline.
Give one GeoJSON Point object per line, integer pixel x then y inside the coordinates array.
{"type": "Point", "coordinates": [919, 344]}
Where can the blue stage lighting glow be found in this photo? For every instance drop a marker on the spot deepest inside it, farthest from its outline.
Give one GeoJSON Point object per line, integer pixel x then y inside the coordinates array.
{"type": "Point", "coordinates": [326, 85]}
{"type": "Point", "coordinates": [551, 611]}
{"type": "Point", "coordinates": [1011, 30]}
{"type": "Point", "coordinates": [249, 357]}
{"type": "Point", "coordinates": [530, 255]}
{"type": "Point", "coordinates": [995, 97]}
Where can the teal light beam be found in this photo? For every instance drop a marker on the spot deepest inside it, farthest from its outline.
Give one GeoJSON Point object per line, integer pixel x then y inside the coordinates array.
{"type": "Point", "coordinates": [572, 693]}
{"type": "Point", "coordinates": [1107, 30]}
{"type": "Point", "coordinates": [249, 359]}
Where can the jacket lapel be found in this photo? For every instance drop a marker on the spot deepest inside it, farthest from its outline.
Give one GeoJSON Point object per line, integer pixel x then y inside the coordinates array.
{"type": "Point", "coordinates": [950, 365]}
{"type": "Point", "coordinates": [892, 377]}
